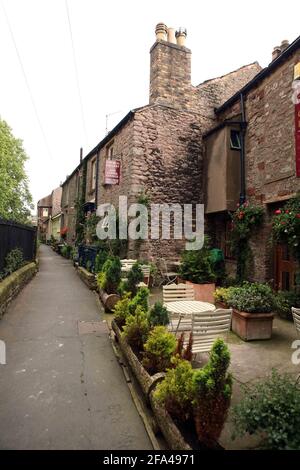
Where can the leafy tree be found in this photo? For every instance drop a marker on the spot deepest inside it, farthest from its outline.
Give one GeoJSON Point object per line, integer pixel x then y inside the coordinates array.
{"type": "Point", "coordinates": [15, 200]}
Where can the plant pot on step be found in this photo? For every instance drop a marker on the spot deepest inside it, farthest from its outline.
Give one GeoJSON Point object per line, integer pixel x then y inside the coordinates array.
{"type": "Point", "coordinates": [252, 326]}
{"type": "Point", "coordinates": [204, 292]}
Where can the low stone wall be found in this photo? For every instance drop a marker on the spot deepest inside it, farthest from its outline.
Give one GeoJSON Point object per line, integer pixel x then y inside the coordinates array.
{"type": "Point", "coordinates": [87, 277]}
{"type": "Point", "coordinates": [12, 285]}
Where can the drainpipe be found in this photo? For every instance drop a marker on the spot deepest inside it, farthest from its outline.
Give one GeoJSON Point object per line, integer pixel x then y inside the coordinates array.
{"type": "Point", "coordinates": [97, 178]}
{"type": "Point", "coordinates": [242, 152]}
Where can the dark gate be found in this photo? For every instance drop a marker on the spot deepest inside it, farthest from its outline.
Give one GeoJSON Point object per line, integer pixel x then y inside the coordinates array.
{"type": "Point", "coordinates": [14, 235]}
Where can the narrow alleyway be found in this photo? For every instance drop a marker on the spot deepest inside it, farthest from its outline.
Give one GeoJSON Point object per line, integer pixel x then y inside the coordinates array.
{"type": "Point", "coordinates": [62, 387]}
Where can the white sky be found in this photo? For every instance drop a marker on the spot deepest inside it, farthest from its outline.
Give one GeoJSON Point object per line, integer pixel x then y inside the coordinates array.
{"type": "Point", "coordinates": [112, 40]}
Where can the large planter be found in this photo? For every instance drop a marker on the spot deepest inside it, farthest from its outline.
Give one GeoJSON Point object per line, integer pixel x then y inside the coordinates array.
{"type": "Point", "coordinates": [252, 326]}
{"type": "Point", "coordinates": [148, 383]}
{"type": "Point", "coordinates": [204, 292]}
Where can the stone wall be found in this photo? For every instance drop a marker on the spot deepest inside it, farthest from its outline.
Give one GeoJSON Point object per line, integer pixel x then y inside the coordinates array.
{"type": "Point", "coordinates": [68, 206]}
{"type": "Point", "coordinates": [13, 284]}
{"type": "Point", "coordinates": [270, 152]}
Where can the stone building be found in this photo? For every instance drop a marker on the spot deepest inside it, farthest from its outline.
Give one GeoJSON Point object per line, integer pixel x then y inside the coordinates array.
{"type": "Point", "coordinates": [159, 147]}
{"type": "Point", "coordinates": [44, 210]}
{"type": "Point", "coordinates": [226, 140]}
{"type": "Point", "coordinates": [48, 215]}
{"type": "Point", "coordinates": [257, 125]}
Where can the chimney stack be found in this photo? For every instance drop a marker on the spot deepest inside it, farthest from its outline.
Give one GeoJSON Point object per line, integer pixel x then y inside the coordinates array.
{"type": "Point", "coordinates": [279, 49]}
{"type": "Point", "coordinates": [170, 68]}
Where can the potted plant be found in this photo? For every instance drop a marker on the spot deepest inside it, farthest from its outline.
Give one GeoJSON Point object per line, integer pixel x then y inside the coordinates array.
{"type": "Point", "coordinates": [196, 269]}
{"type": "Point", "coordinates": [252, 304]}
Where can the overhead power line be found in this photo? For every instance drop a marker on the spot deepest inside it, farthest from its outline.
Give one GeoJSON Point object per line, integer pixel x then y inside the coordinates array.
{"type": "Point", "coordinates": [26, 80]}
{"type": "Point", "coordinates": [76, 73]}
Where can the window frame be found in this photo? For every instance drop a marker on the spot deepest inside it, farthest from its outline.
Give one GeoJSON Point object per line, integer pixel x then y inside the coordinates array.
{"type": "Point", "coordinates": [238, 135]}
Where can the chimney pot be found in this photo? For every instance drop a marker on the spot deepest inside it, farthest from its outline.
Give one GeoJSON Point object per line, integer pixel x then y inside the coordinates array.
{"type": "Point", "coordinates": [161, 31]}
{"type": "Point", "coordinates": [181, 36]}
{"type": "Point", "coordinates": [171, 36]}
{"type": "Point", "coordinates": [276, 52]}
{"type": "Point", "coordinates": [284, 44]}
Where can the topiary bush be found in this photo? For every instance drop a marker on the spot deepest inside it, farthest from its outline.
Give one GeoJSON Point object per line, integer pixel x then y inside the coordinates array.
{"type": "Point", "coordinates": [140, 299]}
{"type": "Point", "coordinates": [271, 407]}
{"type": "Point", "coordinates": [251, 297]}
{"type": "Point", "coordinates": [110, 276]}
{"type": "Point", "coordinates": [121, 310]}
{"type": "Point", "coordinates": [176, 390]}
{"type": "Point", "coordinates": [134, 276]}
{"type": "Point", "coordinates": [158, 349]}
{"type": "Point", "coordinates": [136, 329]}
{"type": "Point", "coordinates": [100, 259]}
{"type": "Point", "coordinates": [158, 315]}
{"type": "Point", "coordinates": [212, 394]}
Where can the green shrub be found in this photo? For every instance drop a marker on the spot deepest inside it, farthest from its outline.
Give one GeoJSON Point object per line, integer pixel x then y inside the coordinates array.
{"type": "Point", "coordinates": [222, 294]}
{"type": "Point", "coordinates": [159, 349]}
{"type": "Point", "coordinates": [121, 310]}
{"type": "Point", "coordinates": [134, 276]}
{"type": "Point", "coordinates": [271, 407]}
{"type": "Point", "coordinates": [284, 301]}
{"type": "Point", "coordinates": [109, 278]}
{"type": "Point", "coordinates": [158, 315]}
{"type": "Point", "coordinates": [140, 299]}
{"type": "Point", "coordinates": [197, 265]}
{"type": "Point", "coordinates": [136, 329]}
{"type": "Point", "coordinates": [14, 260]}
{"type": "Point", "coordinates": [251, 297]}
{"type": "Point", "coordinates": [101, 257]}
{"type": "Point", "coordinates": [66, 251]}
{"type": "Point", "coordinates": [176, 390]}
{"type": "Point", "coordinates": [212, 389]}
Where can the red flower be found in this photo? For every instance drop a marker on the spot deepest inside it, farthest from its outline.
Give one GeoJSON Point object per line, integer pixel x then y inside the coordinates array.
{"type": "Point", "coordinates": [287, 212]}
{"type": "Point", "coordinates": [278, 211]}
{"type": "Point", "coordinates": [282, 222]}
{"type": "Point", "coordinates": [298, 216]}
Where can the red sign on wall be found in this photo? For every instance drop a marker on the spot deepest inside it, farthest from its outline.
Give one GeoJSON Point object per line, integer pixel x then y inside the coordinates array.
{"type": "Point", "coordinates": [112, 172]}
{"type": "Point", "coordinates": [297, 138]}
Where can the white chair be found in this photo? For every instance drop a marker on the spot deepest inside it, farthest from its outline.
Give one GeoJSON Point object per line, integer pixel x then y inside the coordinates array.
{"type": "Point", "coordinates": [126, 265]}
{"type": "Point", "coordinates": [208, 326]}
{"type": "Point", "coordinates": [175, 293]}
{"type": "Point", "coordinates": [167, 276]}
{"type": "Point", "coordinates": [296, 318]}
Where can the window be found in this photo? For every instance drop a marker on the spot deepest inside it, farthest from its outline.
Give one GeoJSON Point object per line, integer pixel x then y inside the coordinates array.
{"type": "Point", "coordinates": [110, 151]}
{"type": "Point", "coordinates": [93, 175]}
{"type": "Point", "coordinates": [45, 212]}
{"type": "Point", "coordinates": [235, 139]}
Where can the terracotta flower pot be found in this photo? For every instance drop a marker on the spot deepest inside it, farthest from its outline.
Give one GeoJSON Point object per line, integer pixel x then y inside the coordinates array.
{"type": "Point", "coordinates": [252, 326]}
{"type": "Point", "coordinates": [209, 420]}
{"type": "Point", "coordinates": [204, 292]}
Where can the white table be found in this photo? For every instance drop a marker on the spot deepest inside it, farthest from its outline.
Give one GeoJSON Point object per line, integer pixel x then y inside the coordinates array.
{"type": "Point", "coordinates": [187, 307]}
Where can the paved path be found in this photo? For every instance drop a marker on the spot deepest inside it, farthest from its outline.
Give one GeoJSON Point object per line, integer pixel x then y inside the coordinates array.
{"type": "Point", "coordinates": [61, 389]}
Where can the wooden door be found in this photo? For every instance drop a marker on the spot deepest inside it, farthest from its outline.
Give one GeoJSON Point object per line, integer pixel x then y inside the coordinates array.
{"type": "Point", "coordinates": [285, 268]}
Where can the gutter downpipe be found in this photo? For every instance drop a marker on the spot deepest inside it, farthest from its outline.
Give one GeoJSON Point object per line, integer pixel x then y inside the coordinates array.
{"type": "Point", "coordinates": [97, 179]}
{"type": "Point", "coordinates": [242, 152]}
